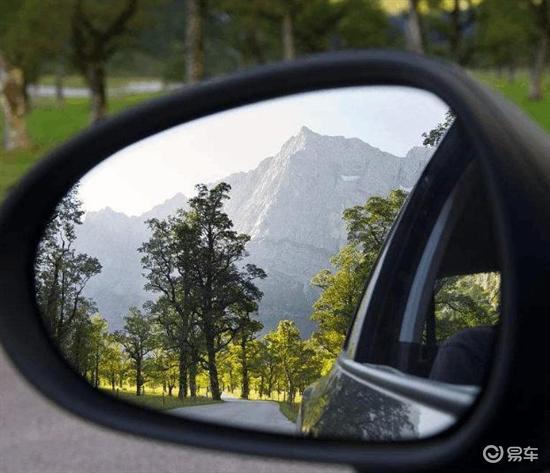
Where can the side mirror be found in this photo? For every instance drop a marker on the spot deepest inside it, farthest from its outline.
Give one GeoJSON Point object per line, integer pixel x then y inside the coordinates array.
{"type": "Point", "coordinates": [340, 259]}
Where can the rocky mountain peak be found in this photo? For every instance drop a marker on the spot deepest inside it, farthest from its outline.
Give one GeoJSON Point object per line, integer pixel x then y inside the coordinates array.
{"type": "Point", "coordinates": [291, 205]}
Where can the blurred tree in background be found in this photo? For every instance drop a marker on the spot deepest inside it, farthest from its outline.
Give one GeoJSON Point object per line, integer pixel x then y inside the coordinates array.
{"type": "Point", "coordinates": [184, 41]}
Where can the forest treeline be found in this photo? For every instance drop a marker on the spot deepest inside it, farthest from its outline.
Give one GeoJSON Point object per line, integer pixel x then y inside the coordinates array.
{"type": "Point", "coordinates": [189, 40]}
{"type": "Point", "coordinates": [199, 330]}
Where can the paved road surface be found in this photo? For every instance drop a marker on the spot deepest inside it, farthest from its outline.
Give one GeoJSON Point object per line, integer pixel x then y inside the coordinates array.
{"type": "Point", "coordinates": [37, 437]}
{"type": "Point", "coordinates": [241, 413]}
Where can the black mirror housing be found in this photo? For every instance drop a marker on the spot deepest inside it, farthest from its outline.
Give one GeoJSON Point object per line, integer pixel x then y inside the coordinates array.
{"type": "Point", "coordinates": [515, 167]}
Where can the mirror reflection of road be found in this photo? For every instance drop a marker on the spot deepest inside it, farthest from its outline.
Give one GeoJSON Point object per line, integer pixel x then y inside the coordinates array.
{"type": "Point", "coordinates": [259, 415]}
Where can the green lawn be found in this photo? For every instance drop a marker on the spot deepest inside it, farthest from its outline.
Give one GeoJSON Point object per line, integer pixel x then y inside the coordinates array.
{"type": "Point", "coordinates": [157, 402]}
{"type": "Point", "coordinates": [50, 124]}
{"type": "Point", "coordinates": [290, 411]}
{"type": "Point", "coordinates": [516, 91]}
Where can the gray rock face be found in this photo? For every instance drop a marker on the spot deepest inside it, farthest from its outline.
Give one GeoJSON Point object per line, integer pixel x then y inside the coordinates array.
{"type": "Point", "coordinates": [291, 205]}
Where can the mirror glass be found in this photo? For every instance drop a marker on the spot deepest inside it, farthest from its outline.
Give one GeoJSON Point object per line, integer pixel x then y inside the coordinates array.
{"type": "Point", "coordinates": [212, 271]}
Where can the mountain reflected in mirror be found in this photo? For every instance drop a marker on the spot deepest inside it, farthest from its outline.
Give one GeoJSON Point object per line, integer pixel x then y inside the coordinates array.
{"type": "Point", "coordinates": [212, 271]}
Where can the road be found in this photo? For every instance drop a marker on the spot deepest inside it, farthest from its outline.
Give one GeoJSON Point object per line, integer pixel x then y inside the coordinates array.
{"type": "Point", "coordinates": [264, 415]}
{"type": "Point", "coordinates": [37, 437]}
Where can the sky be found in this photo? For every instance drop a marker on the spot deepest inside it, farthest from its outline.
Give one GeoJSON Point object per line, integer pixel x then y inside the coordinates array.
{"type": "Point", "coordinates": [153, 170]}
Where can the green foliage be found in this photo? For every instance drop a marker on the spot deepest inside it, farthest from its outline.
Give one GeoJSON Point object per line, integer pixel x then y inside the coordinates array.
{"type": "Point", "coordinates": [160, 402]}
{"type": "Point", "coordinates": [298, 362]}
{"type": "Point", "coordinates": [30, 35]}
{"type": "Point", "coordinates": [368, 226]}
{"type": "Point", "coordinates": [466, 301]}
{"type": "Point", "coordinates": [504, 32]}
{"type": "Point", "coordinates": [290, 411]}
{"type": "Point", "coordinates": [138, 338]}
{"type": "Point", "coordinates": [62, 273]}
{"type": "Point", "coordinates": [433, 137]}
{"type": "Point", "coordinates": [205, 298]}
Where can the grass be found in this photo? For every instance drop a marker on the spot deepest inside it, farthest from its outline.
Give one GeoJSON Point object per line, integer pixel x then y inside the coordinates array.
{"type": "Point", "coordinates": [158, 402]}
{"type": "Point", "coordinates": [516, 91]}
{"type": "Point", "coordinates": [50, 124]}
{"type": "Point", "coordinates": [290, 411]}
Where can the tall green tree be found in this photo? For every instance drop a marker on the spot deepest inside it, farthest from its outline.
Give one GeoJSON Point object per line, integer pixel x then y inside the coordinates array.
{"type": "Point", "coordinates": [113, 363]}
{"type": "Point", "coordinates": [168, 259]}
{"type": "Point", "coordinates": [247, 327]}
{"type": "Point", "coordinates": [29, 37]}
{"type": "Point", "coordinates": [62, 273]}
{"type": "Point", "coordinates": [99, 29]}
{"type": "Point", "coordinates": [195, 262]}
{"type": "Point", "coordinates": [540, 17]}
{"type": "Point", "coordinates": [220, 282]}
{"type": "Point", "coordinates": [368, 226]}
{"type": "Point", "coordinates": [296, 358]}
{"type": "Point", "coordinates": [503, 34]}
{"type": "Point", "coordinates": [138, 339]}
{"type": "Point", "coordinates": [98, 344]}
{"type": "Point", "coordinates": [195, 12]}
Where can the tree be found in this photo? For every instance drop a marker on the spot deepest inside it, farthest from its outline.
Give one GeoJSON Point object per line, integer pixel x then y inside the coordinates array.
{"type": "Point", "coordinates": [267, 367]}
{"type": "Point", "coordinates": [451, 20]}
{"type": "Point", "coordinates": [168, 257]}
{"type": "Point", "coordinates": [194, 261]}
{"type": "Point", "coordinates": [341, 291]}
{"type": "Point", "coordinates": [29, 37]}
{"type": "Point", "coordinates": [163, 368]}
{"type": "Point", "coordinates": [368, 226]}
{"type": "Point", "coordinates": [220, 284]}
{"type": "Point", "coordinates": [503, 33]}
{"type": "Point", "coordinates": [362, 24]}
{"type": "Point", "coordinates": [466, 301]}
{"type": "Point", "coordinates": [413, 29]}
{"type": "Point", "coordinates": [62, 273]}
{"type": "Point", "coordinates": [97, 340]}
{"type": "Point", "coordinates": [540, 17]}
{"type": "Point", "coordinates": [295, 357]}
{"type": "Point", "coordinates": [245, 335]}
{"type": "Point", "coordinates": [252, 35]}
{"type": "Point", "coordinates": [138, 339]}
{"type": "Point", "coordinates": [194, 41]}
{"type": "Point", "coordinates": [113, 362]}
{"type": "Point", "coordinates": [99, 29]}
{"type": "Point", "coordinates": [434, 136]}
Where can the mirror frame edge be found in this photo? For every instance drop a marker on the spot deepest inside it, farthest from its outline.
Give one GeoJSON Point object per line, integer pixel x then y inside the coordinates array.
{"type": "Point", "coordinates": [24, 338]}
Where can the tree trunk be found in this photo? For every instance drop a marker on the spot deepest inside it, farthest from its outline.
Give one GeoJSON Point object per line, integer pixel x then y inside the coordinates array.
{"type": "Point", "coordinates": [12, 85]}
{"type": "Point", "coordinates": [139, 379]}
{"type": "Point", "coordinates": [287, 34]}
{"type": "Point", "coordinates": [537, 72]}
{"type": "Point", "coordinates": [213, 369]}
{"type": "Point", "coordinates": [193, 379]}
{"type": "Point", "coordinates": [182, 388]}
{"type": "Point", "coordinates": [413, 29]}
{"type": "Point", "coordinates": [456, 33]}
{"type": "Point", "coordinates": [96, 82]}
{"type": "Point", "coordinates": [245, 387]}
{"type": "Point", "coordinates": [194, 47]}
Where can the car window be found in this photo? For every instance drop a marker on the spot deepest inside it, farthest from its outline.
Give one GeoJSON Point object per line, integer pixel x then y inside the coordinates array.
{"type": "Point", "coordinates": [459, 329]}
